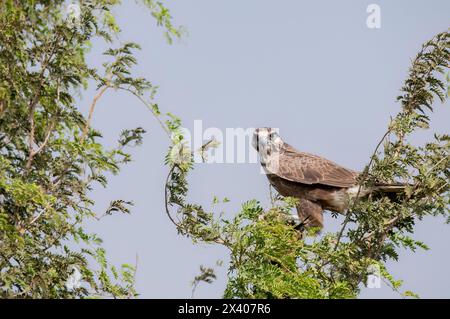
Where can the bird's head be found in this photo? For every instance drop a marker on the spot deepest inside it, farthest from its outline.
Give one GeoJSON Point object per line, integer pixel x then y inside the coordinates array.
{"type": "Point", "coordinates": [266, 141]}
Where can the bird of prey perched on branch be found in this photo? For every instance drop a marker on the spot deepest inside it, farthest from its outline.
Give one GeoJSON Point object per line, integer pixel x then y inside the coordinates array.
{"type": "Point", "coordinates": [318, 183]}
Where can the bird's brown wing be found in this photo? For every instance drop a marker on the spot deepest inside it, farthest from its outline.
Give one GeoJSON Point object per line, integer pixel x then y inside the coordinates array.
{"type": "Point", "coordinates": [309, 169]}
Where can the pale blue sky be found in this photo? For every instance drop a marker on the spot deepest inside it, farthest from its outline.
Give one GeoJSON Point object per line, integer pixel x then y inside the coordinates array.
{"type": "Point", "coordinates": [311, 68]}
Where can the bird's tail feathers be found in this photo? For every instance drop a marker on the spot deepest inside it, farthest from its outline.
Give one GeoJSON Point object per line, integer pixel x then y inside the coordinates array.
{"type": "Point", "coordinates": [390, 188]}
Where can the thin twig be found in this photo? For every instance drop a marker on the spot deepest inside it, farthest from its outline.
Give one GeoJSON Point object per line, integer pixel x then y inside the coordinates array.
{"type": "Point", "coordinates": [149, 107]}
{"type": "Point", "coordinates": [361, 182]}
{"type": "Point", "coordinates": [33, 153]}
{"type": "Point", "coordinates": [91, 112]}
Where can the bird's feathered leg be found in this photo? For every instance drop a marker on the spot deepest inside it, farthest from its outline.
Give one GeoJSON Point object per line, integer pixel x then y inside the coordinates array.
{"type": "Point", "coordinates": [310, 213]}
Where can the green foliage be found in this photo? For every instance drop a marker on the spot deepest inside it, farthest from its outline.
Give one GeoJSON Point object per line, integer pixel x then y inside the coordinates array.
{"type": "Point", "coordinates": [50, 157]}
{"type": "Point", "coordinates": [270, 260]}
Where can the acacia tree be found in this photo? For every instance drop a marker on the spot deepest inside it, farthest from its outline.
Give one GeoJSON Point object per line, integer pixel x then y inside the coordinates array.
{"type": "Point", "coordinates": [50, 156]}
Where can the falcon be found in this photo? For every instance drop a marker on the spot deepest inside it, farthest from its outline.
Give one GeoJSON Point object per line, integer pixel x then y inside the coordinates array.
{"type": "Point", "coordinates": [318, 183]}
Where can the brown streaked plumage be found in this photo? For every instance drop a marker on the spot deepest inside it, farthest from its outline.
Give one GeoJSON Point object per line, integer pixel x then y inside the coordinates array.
{"type": "Point", "coordinates": [317, 182]}
{"type": "Point", "coordinates": [311, 169]}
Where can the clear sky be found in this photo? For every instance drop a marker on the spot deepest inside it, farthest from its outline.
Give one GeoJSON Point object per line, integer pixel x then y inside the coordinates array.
{"type": "Point", "coordinates": [311, 68]}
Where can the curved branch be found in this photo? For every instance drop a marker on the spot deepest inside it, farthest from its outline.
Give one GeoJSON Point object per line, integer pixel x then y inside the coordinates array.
{"type": "Point", "coordinates": [91, 112]}
{"type": "Point", "coordinates": [166, 200]}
